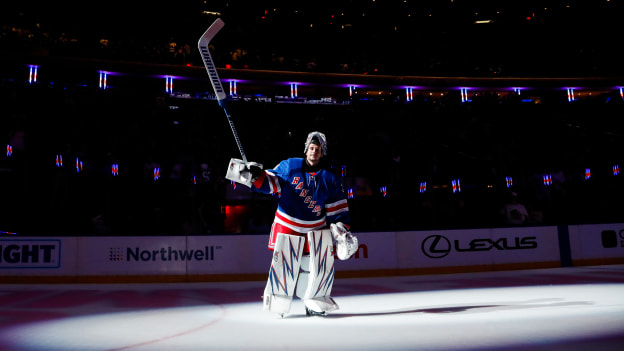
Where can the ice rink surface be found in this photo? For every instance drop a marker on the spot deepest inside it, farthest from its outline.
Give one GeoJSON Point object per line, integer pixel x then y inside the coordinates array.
{"type": "Point", "coordinates": [575, 308]}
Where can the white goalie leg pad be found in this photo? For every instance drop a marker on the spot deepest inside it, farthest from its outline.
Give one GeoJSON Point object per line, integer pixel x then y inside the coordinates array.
{"type": "Point", "coordinates": [304, 274]}
{"type": "Point", "coordinates": [237, 171]}
{"type": "Point", "coordinates": [284, 273]}
{"type": "Point", "coordinates": [320, 278]}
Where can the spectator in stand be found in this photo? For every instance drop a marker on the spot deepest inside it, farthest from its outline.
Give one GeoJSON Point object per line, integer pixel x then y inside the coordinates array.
{"type": "Point", "coordinates": [514, 212]}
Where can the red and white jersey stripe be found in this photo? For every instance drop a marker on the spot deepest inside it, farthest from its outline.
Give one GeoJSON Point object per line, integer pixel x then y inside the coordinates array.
{"type": "Point", "coordinates": [274, 185]}
{"type": "Point", "coordinates": [299, 225]}
{"type": "Point", "coordinates": [337, 207]}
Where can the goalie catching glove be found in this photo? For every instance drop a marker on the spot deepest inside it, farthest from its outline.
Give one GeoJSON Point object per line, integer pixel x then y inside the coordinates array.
{"type": "Point", "coordinates": [240, 173]}
{"type": "Point", "coordinates": [346, 243]}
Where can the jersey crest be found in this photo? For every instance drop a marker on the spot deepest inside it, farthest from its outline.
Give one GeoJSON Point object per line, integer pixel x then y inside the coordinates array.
{"type": "Point", "coordinates": [304, 193]}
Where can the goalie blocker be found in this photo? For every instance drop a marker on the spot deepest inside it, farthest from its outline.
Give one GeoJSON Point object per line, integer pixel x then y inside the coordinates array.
{"type": "Point", "coordinates": [239, 172]}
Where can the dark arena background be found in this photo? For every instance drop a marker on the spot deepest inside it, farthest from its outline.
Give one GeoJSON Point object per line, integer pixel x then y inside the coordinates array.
{"type": "Point", "coordinates": [497, 98]}
{"type": "Point", "coordinates": [119, 231]}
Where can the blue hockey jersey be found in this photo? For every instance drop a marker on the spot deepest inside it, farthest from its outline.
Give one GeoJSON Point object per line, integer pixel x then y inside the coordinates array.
{"type": "Point", "coordinates": [308, 200]}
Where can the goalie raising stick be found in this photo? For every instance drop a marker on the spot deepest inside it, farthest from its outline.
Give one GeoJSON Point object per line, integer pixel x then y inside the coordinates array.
{"type": "Point", "coordinates": [312, 214]}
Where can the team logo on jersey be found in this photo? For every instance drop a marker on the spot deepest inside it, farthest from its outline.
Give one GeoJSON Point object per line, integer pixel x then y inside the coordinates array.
{"type": "Point", "coordinates": [307, 199]}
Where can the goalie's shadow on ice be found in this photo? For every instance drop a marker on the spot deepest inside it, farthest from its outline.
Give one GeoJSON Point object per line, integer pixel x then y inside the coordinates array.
{"type": "Point", "coordinates": [435, 310]}
{"type": "Point", "coordinates": [484, 308]}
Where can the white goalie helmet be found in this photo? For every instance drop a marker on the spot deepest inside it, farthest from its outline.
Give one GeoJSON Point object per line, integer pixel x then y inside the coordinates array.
{"type": "Point", "coordinates": [316, 138]}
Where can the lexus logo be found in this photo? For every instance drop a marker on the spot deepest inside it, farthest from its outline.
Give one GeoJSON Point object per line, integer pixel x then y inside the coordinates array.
{"type": "Point", "coordinates": [436, 246]}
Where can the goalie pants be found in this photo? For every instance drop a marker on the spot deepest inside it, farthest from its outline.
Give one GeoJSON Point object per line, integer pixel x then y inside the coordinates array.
{"type": "Point", "coordinates": [277, 228]}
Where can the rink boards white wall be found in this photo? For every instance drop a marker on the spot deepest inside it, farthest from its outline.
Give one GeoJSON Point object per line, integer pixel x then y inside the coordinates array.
{"type": "Point", "coordinates": [234, 257]}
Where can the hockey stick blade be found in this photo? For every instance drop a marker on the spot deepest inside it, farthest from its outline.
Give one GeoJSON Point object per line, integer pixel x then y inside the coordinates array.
{"type": "Point", "coordinates": [205, 39]}
{"type": "Point", "coordinates": [205, 52]}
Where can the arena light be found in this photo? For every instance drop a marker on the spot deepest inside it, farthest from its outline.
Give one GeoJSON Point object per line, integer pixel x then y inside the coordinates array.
{"type": "Point", "coordinates": [156, 173]}
{"type": "Point", "coordinates": [233, 88]}
{"type": "Point", "coordinates": [464, 94]}
{"type": "Point", "coordinates": [294, 93]}
{"type": "Point", "coordinates": [213, 13]}
{"type": "Point", "coordinates": [32, 74]}
{"type": "Point", "coordinates": [79, 165]}
{"type": "Point", "coordinates": [352, 89]}
{"type": "Point", "coordinates": [409, 94]}
{"type": "Point", "coordinates": [509, 181]}
{"type": "Point", "coordinates": [456, 184]}
{"type": "Point", "coordinates": [169, 84]}
{"type": "Point", "coordinates": [570, 94]}
{"type": "Point", "coordinates": [384, 191]}
{"type": "Point", "coordinates": [103, 80]}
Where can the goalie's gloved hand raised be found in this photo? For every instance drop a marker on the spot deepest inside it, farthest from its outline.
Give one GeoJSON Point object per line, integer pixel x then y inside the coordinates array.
{"type": "Point", "coordinates": [242, 173]}
{"type": "Point", "coordinates": [251, 174]}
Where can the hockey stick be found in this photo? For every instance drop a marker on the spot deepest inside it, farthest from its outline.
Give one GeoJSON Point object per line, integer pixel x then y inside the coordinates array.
{"type": "Point", "coordinates": [214, 77]}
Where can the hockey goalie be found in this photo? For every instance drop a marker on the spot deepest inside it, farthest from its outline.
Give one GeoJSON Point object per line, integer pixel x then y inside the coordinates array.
{"type": "Point", "coordinates": [312, 215]}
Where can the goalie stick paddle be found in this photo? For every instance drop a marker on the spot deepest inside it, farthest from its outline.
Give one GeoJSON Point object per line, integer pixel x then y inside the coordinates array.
{"type": "Point", "coordinates": [214, 77]}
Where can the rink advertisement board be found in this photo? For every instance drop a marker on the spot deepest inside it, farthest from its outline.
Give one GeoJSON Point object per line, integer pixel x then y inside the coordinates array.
{"type": "Point", "coordinates": [160, 255]}
{"type": "Point", "coordinates": [597, 243]}
{"type": "Point", "coordinates": [375, 251]}
{"type": "Point", "coordinates": [234, 254]}
{"type": "Point", "coordinates": [477, 247]}
{"type": "Point", "coordinates": [245, 255]}
{"type": "Point", "coordinates": [38, 256]}
{"type": "Point", "coordinates": [167, 255]}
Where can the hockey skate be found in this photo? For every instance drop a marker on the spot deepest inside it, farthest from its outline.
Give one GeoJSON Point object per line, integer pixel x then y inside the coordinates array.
{"type": "Point", "coordinates": [311, 313]}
